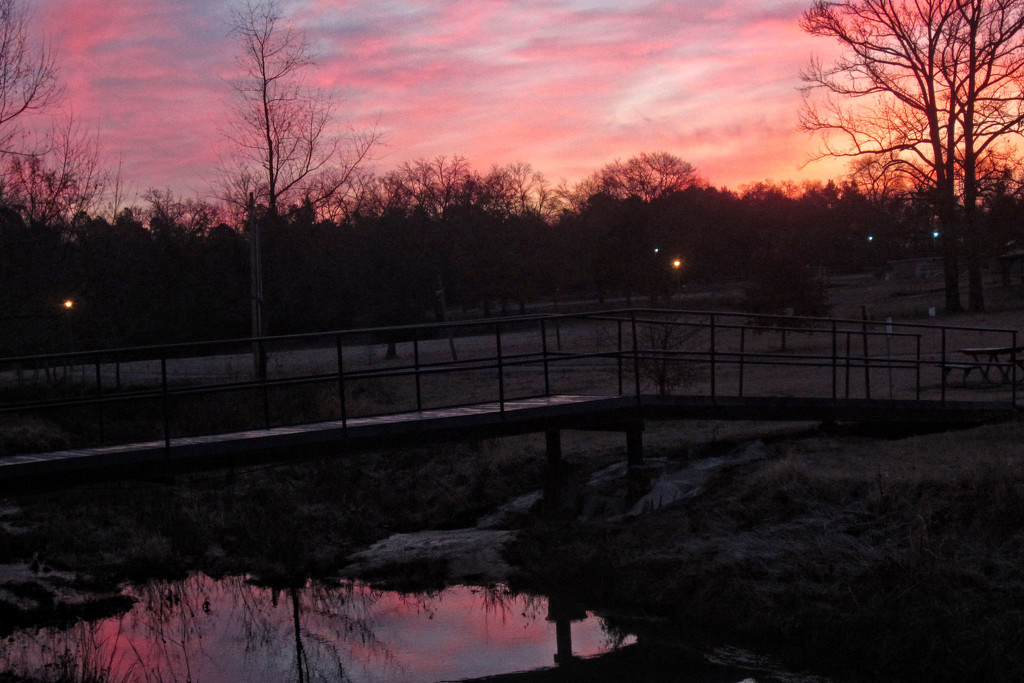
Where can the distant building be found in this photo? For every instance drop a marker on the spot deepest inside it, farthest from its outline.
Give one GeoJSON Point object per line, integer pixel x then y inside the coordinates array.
{"type": "Point", "coordinates": [1012, 265]}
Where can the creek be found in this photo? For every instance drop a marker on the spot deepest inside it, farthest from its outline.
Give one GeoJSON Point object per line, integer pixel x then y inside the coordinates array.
{"type": "Point", "coordinates": [230, 629]}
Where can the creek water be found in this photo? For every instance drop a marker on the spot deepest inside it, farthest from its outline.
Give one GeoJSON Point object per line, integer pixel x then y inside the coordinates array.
{"type": "Point", "coordinates": [226, 630]}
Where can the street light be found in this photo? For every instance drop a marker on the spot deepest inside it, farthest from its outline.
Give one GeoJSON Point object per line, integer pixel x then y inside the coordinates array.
{"type": "Point", "coordinates": [68, 305]}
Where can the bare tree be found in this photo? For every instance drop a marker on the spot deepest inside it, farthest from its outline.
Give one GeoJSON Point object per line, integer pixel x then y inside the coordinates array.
{"type": "Point", "coordinates": [388, 193]}
{"type": "Point", "coordinates": [436, 185]}
{"type": "Point", "coordinates": [186, 215]}
{"type": "Point", "coordinates": [573, 197]}
{"type": "Point", "coordinates": [520, 190]}
{"type": "Point", "coordinates": [284, 130]}
{"type": "Point", "coordinates": [28, 73]}
{"type": "Point", "coordinates": [932, 90]}
{"type": "Point", "coordinates": [647, 176]}
{"type": "Point", "coordinates": [50, 187]}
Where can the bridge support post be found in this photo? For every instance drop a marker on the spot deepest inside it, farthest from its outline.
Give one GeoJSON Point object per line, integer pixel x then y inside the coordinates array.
{"type": "Point", "coordinates": [553, 440]}
{"type": "Point", "coordinates": [635, 443]}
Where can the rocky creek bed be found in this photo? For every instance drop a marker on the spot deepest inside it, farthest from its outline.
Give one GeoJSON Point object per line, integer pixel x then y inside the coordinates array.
{"type": "Point", "coordinates": [863, 557]}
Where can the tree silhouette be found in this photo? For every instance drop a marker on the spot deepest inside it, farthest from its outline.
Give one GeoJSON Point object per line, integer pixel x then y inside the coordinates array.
{"type": "Point", "coordinates": [284, 130]}
{"type": "Point", "coordinates": [52, 186]}
{"type": "Point", "coordinates": [28, 72]}
{"type": "Point", "coordinates": [930, 91]}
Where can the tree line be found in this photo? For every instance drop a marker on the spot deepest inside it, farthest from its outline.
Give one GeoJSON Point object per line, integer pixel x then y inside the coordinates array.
{"type": "Point", "coordinates": [433, 239]}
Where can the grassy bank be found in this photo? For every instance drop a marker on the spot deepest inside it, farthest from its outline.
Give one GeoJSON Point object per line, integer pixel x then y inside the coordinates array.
{"type": "Point", "coordinates": [896, 560]}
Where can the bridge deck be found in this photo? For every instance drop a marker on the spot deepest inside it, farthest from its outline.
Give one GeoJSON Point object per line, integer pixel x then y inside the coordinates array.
{"type": "Point", "coordinates": [485, 420]}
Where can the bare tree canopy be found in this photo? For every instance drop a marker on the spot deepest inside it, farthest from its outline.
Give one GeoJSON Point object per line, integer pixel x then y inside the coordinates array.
{"type": "Point", "coordinates": [52, 186]}
{"type": "Point", "coordinates": [649, 175]}
{"type": "Point", "coordinates": [646, 176]}
{"type": "Point", "coordinates": [929, 91]}
{"type": "Point", "coordinates": [288, 149]}
{"type": "Point", "coordinates": [28, 72]}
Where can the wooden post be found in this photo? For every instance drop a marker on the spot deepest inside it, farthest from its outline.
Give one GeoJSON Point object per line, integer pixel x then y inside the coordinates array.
{"type": "Point", "coordinates": [563, 641]}
{"type": "Point", "coordinates": [635, 443]}
{"type": "Point", "coordinates": [864, 336]}
{"type": "Point", "coordinates": [553, 439]}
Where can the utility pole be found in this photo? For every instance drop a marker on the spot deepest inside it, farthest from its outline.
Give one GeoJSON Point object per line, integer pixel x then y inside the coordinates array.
{"type": "Point", "coordinates": [256, 285]}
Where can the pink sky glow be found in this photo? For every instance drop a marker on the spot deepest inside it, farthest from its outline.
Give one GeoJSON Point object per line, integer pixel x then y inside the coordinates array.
{"type": "Point", "coordinates": [566, 85]}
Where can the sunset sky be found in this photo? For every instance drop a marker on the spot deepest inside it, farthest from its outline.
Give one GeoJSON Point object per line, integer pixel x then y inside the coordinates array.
{"type": "Point", "coordinates": [566, 85]}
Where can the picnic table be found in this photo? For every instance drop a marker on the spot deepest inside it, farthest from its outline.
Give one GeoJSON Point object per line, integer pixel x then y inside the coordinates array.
{"type": "Point", "coordinates": [995, 364]}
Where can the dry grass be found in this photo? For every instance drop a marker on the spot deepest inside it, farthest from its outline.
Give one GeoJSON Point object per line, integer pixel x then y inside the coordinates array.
{"type": "Point", "coordinates": [30, 434]}
{"type": "Point", "coordinates": [898, 559]}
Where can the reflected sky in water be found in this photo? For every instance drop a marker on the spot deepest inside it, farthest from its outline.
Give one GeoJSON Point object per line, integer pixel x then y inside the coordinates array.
{"type": "Point", "coordinates": [228, 630]}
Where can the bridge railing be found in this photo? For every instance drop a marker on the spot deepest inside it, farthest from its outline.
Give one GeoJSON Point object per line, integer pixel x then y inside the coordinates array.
{"type": "Point", "coordinates": [735, 354]}
{"type": "Point", "coordinates": [168, 392]}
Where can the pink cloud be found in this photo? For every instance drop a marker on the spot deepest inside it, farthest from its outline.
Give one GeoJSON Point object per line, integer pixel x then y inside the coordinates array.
{"type": "Point", "coordinates": [566, 85]}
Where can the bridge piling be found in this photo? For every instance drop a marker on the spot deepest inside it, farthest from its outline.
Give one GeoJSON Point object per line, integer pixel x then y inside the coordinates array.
{"type": "Point", "coordinates": [635, 443]}
{"type": "Point", "coordinates": [553, 440]}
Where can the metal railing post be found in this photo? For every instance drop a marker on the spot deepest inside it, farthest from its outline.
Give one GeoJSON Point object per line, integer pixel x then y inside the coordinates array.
{"type": "Point", "coordinates": [714, 368]}
{"type": "Point", "coordinates": [416, 368]}
{"type": "Point", "coordinates": [835, 360]}
{"type": "Point", "coordinates": [942, 366]}
{"type": "Point", "coordinates": [619, 356]}
{"type": "Point", "coordinates": [636, 355]}
{"type": "Point", "coordinates": [849, 358]}
{"type": "Point", "coordinates": [99, 401]}
{"type": "Point", "coordinates": [867, 353]}
{"type": "Point", "coordinates": [165, 401]}
{"type": "Point", "coordinates": [743, 356]}
{"type": "Point", "coordinates": [544, 350]}
{"type": "Point", "coordinates": [341, 385]}
{"type": "Point", "coordinates": [918, 358]}
{"type": "Point", "coordinates": [501, 370]}
{"type": "Point", "coordinates": [1013, 371]}
{"type": "Point", "coordinates": [265, 390]}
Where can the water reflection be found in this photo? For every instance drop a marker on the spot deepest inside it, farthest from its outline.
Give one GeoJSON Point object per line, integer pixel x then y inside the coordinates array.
{"type": "Point", "coordinates": [202, 629]}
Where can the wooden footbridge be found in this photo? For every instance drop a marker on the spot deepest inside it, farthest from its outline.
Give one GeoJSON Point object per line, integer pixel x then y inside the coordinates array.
{"type": "Point", "coordinates": [140, 411]}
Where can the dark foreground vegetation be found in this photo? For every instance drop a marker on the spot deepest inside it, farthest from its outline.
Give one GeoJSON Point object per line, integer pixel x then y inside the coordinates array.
{"type": "Point", "coordinates": [882, 559]}
{"type": "Point", "coordinates": [893, 560]}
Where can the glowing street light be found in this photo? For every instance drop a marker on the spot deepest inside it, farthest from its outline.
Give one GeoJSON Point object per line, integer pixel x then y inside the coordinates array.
{"type": "Point", "coordinates": [68, 305]}
{"type": "Point", "coordinates": [677, 268]}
